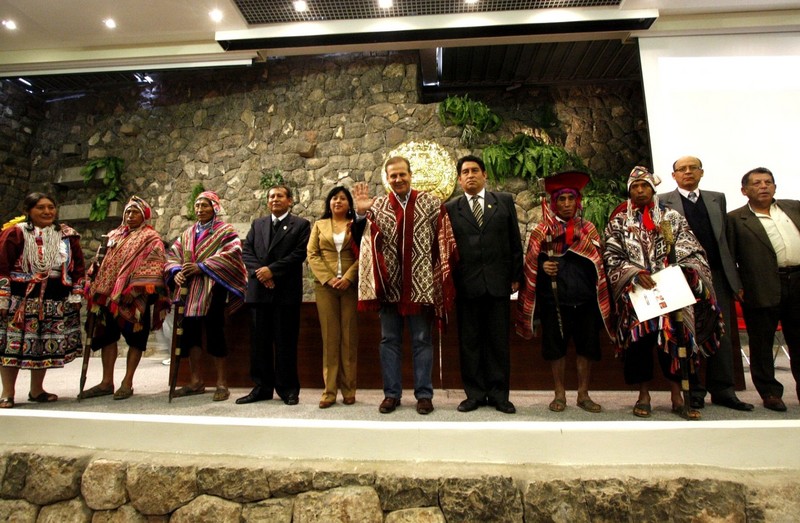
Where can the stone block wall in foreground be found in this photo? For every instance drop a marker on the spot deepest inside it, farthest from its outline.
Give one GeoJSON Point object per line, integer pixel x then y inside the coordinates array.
{"type": "Point", "coordinates": [70, 485]}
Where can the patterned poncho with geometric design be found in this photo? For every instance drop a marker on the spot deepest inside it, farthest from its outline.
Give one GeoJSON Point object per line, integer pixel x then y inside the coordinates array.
{"type": "Point", "coordinates": [131, 273]}
{"type": "Point", "coordinates": [631, 249]}
{"type": "Point", "coordinates": [405, 256]}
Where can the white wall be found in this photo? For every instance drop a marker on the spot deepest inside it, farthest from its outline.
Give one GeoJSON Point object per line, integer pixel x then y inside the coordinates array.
{"type": "Point", "coordinates": [731, 100]}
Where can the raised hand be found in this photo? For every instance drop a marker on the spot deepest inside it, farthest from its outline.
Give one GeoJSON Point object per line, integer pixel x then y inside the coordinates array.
{"type": "Point", "coordinates": [362, 198]}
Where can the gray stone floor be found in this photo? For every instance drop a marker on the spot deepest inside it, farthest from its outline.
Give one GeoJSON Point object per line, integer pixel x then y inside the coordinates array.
{"type": "Point", "coordinates": [150, 397]}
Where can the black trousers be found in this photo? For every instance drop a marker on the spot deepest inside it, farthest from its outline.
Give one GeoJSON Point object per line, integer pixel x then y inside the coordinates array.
{"type": "Point", "coordinates": [483, 338]}
{"type": "Point", "coordinates": [273, 348]}
{"type": "Point", "coordinates": [762, 322]}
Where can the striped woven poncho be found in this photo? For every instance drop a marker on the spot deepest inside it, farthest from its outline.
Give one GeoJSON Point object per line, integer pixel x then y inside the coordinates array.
{"type": "Point", "coordinates": [586, 243]}
{"type": "Point", "coordinates": [218, 253]}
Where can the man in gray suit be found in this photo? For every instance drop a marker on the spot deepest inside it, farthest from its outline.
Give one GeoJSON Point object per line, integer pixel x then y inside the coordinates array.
{"type": "Point", "coordinates": [764, 237]}
{"type": "Point", "coordinates": [706, 214]}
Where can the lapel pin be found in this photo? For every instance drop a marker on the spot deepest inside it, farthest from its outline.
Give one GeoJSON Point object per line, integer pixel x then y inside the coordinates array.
{"type": "Point", "coordinates": [489, 206]}
{"type": "Point", "coordinates": [285, 227]}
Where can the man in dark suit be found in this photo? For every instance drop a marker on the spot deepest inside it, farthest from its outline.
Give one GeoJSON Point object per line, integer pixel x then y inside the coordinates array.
{"type": "Point", "coordinates": [764, 237]}
{"type": "Point", "coordinates": [273, 253]}
{"type": "Point", "coordinates": [707, 216]}
{"type": "Point", "coordinates": [489, 269]}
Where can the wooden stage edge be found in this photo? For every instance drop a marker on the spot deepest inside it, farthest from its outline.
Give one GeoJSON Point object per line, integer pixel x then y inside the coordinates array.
{"type": "Point", "coordinates": [529, 371]}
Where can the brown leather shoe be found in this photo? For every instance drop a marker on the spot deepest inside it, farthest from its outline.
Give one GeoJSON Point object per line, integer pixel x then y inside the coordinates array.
{"type": "Point", "coordinates": [774, 403]}
{"type": "Point", "coordinates": [388, 405]}
{"type": "Point", "coordinates": [349, 401]}
{"type": "Point", "coordinates": [324, 404]}
{"type": "Point", "coordinates": [424, 406]}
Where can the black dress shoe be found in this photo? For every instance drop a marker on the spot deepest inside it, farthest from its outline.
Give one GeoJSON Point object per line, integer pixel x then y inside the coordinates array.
{"type": "Point", "coordinates": [257, 394]}
{"type": "Point", "coordinates": [505, 406]}
{"type": "Point", "coordinates": [774, 403]}
{"type": "Point", "coordinates": [696, 402]}
{"type": "Point", "coordinates": [468, 405]}
{"type": "Point", "coordinates": [732, 402]}
{"type": "Point", "coordinates": [291, 399]}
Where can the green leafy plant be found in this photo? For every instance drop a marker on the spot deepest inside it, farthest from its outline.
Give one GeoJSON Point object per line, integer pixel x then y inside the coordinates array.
{"type": "Point", "coordinates": [112, 183]}
{"type": "Point", "coordinates": [196, 190]}
{"type": "Point", "coordinates": [269, 179]}
{"type": "Point", "coordinates": [475, 118]}
{"type": "Point", "coordinates": [526, 156]}
{"type": "Point", "coordinates": [602, 196]}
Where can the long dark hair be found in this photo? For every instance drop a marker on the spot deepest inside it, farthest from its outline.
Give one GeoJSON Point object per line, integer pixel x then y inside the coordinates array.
{"type": "Point", "coordinates": [336, 190]}
{"type": "Point", "coordinates": [30, 202]}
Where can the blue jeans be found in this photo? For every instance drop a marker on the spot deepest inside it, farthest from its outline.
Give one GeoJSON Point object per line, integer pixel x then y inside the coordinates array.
{"type": "Point", "coordinates": [391, 349]}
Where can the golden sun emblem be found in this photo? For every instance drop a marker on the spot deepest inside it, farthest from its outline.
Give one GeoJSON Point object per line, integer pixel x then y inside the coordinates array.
{"type": "Point", "coordinates": [433, 169]}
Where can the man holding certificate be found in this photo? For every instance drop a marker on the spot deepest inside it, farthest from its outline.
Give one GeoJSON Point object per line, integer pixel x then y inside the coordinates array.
{"type": "Point", "coordinates": [643, 238]}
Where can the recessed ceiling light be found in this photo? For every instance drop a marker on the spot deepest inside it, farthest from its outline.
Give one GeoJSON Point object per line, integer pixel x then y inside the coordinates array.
{"type": "Point", "coordinates": [110, 23]}
{"type": "Point", "coordinates": [300, 6]}
{"type": "Point", "coordinates": [9, 24]}
{"type": "Point", "coordinates": [216, 15]}
{"type": "Point", "coordinates": [470, 1]}
{"type": "Point", "coordinates": [385, 4]}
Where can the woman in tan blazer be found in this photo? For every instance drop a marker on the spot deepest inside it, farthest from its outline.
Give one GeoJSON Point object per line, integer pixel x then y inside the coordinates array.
{"type": "Point", "coordinates": [335, 268]}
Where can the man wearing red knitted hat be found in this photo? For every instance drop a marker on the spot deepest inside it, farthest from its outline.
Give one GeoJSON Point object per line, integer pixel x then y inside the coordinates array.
{"type": "Point", "coordinates": [564, 277]}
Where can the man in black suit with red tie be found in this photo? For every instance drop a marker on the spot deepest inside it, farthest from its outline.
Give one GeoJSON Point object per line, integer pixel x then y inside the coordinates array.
{"type": "Point", "coordinates": [274, 252]}
{"type": "Point", "coordinates": [488, 270]}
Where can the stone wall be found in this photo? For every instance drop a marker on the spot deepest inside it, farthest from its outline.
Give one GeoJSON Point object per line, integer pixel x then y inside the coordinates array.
{"type": "Point", "coordinates": [321, 121]}
{"type": "Point", "coordinates": [20, 116]}
{"type": "Point", "coordinates": [70, 485]}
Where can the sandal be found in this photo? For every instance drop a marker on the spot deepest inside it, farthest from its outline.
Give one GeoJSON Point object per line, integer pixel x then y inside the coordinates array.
{"type": "Point", "coordinates": [642, 410]}
{"type": "Point", "coordinates": [589, 406]}
{"type": "Point", "coordinates": [95, 392]}
{"type": "Point", "coordinates": [44, 397]}
{"type": "Point", "coordinates": [189, 391]}
{"type": "Point", "coordinates": [557, 405]}
{"type": "Point", "coordinates": [221, 394]}
{"type": "Point", "coordinates": [6, 403]}
{"type": "Point", "coordinates": [123, 393]}
{"type": "Point", "coordinates": [687, 414]}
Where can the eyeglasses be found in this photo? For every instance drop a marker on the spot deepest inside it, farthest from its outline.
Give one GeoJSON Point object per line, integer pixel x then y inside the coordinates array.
{"type": "Point", "coordinates": [688, 169]}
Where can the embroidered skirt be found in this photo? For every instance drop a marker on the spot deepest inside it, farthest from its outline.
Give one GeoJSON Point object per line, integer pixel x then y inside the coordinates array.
{"type": "Point", "coordinates": [50, 342]}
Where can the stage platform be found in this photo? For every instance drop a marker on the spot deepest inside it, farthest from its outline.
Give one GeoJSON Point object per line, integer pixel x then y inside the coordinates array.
{"type": "Point", "coordinates": [761, 439]}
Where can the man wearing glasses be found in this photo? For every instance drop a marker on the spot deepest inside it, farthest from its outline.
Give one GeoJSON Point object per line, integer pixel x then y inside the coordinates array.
{"type": "Point", "coordinates": [707, 217]}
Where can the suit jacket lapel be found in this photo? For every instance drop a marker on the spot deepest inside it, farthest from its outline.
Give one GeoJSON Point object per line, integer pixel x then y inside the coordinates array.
{"type": "Point", "coordinates": [465, 210]}
{"type": "Point", "coordinates": [714, 212]}
{"type": "Point", "coordinates": [489, 207]}
{"type": "Point", "coordinates": [753, 223]}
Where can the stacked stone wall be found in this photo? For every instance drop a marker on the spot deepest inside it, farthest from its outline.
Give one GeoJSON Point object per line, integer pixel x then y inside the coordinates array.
{"type": "Point", "coordinates": [321, 121]}
{"type": "Point", "coordinates": [20, 117]}
{"type": "Point", "coordinates": [70, 485]}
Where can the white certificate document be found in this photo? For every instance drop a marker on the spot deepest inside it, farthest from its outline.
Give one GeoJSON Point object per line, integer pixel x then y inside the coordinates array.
{"type": "Point", "coordinates": [670, 293]}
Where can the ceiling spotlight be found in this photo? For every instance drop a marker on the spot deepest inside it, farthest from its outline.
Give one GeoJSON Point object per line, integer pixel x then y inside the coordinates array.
{"type": "Point", "coordinates": [470, 1]}
{"type": "Point", "coordinates": [9, 24]}
{"type": "Point", "coordinates": [300, 6]}
{"type": "Point", "coordinates": [385, 4]}
{"type": "Point", "coordinates": [110, 23]}
{"type": "Point", "coordinates": [215, 15]}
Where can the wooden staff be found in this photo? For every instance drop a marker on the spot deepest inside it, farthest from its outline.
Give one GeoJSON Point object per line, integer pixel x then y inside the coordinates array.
{"type": "Point", "coordinates": [677, 318]}
{"type": "Point", "coordinates": [91, 317]}
{"type": "Point", "coordinates": [177, 332]}
{"type": "Point", "coordinates": [548, 238]}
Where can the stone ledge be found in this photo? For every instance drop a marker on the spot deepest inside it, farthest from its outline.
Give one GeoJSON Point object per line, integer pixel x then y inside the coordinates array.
{"type": "Point", "coordinates": [103, 486]}
{"type": "Point", "coordinates": [71, 178]}
{"type": "Point", "coordinates": [77, 212]}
